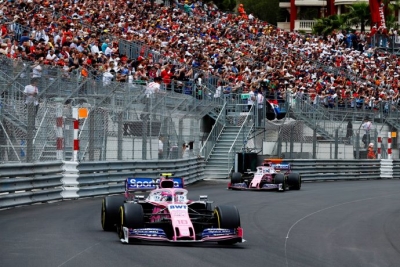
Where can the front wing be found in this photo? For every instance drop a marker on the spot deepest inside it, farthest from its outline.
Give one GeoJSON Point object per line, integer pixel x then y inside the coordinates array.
{"type": "Point", "coordinates": [208, 235]}
{"type": "Point", "coordinates": [265, 187]}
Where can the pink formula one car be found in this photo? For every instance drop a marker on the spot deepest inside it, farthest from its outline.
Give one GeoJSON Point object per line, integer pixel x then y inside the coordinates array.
{"type": "Point", "coordinates": [166, 214]}
{"type": "Point", "coordinates": [270, 176]}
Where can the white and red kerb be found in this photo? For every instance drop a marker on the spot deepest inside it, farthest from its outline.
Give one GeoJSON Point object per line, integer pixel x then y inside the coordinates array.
{"type": "Point", "coordinates": [389, 149]}
{"type": "Point", "coordinates": [76, 134]}
{"type": "Point", "coordinates": [379, 152]}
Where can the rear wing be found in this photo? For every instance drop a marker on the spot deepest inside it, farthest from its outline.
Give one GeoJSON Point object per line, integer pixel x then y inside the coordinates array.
{"type": "Point", "coordinates": [145, 184]}
{"type": "Point", "coordinates": [283, 166]}
{"type": "Point", "coordinates": [277, 164]}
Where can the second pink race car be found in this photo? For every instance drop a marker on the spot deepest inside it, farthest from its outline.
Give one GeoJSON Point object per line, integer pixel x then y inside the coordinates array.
{"type": "Point", "coordinates": [270, 176]}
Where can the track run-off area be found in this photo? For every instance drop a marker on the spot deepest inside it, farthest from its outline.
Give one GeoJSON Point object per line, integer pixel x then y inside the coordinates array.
{"type": "Point", "coordinates": [346, 223]}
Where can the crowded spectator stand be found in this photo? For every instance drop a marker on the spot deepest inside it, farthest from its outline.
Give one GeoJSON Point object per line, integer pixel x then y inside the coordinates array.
{"type": "Point", "coordinates": [184, 39]}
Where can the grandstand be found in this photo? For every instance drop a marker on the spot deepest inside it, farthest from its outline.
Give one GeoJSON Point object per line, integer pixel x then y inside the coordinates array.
{"type": "Point", "coordinates": [125, 123]}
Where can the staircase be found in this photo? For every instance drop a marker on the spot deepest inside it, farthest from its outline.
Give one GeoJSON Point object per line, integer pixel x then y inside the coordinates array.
{"type": "Point", "coordinates": [217, 164]}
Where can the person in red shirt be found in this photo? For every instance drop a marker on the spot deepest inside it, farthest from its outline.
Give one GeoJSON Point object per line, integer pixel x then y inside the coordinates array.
{"type": "Point", "coordinates": [166, 75]}
{"type": "Point", "coordinates": [241, 11]}
{"type": "Point", "coordinates": [371, 152]}
{"type": "Point", "coordinates": [4, 31]}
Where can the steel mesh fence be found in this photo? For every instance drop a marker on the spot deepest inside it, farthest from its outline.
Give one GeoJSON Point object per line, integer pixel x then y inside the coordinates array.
{"type": "Point", "coordinates": [123, 122]}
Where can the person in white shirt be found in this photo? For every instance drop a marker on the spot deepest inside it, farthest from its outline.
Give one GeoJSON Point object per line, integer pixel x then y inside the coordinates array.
{"type": "Point", "coordinates": [160, 148]}
{"type": "Point", "coordinates": [252, 97]}
{"type": "Point", "coordinates": [260, 107]}
{"type": "Point", "coordinates": [31, 91]}
{"type": "Point", "coordinates": [218, 91]}
{"type": "Point", "coordinates": [94, 48]}
{"type": "Point", "coordinates": [108, 51]}
{"type": "Point", "coordinates": [107, 78]}
{"type": "Point", "coordinates": [51, 56]}
{"type": "Point", "coordinates": [37, 68]}
{"type": "Point", "coordinates": [367, 126]}
{"type": "Point", "coordinates": [153, 87]}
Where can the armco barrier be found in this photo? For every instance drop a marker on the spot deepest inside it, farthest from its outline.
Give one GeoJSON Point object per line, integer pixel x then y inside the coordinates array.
{"type": "Point", "coordinates": [28, 183]}
{"type": "Point", "coordinates": [23, 184]}
{"type": "Point", "coordinates": [104, 178]}
{"type": "Point", "coordinates": [331, 170]}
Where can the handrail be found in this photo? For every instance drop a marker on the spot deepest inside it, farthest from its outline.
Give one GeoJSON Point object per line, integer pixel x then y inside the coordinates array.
{"type": "Point", "coordinates": [8, 138]}
{"type": "Point", "coordinates": [41, 123]}
{"type": "Point", "coordinates": [214, 134]}
{"type": "Point", "coordinates": [240, 133]}
{"type": "Point", "coordinates": [41, 145]}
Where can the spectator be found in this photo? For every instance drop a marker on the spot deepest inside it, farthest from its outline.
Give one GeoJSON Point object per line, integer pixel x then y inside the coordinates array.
{"type": "Point", "coordinates": [252, 98]}
{"type": "Point", "coordinates": [160, 148]}
{"type": "Point", "coordinates": [371, 151]}
{"type": "Point", "coordinates": [286, 59]}
{"type": "Point", "coordinates": [349, 131]}
{"type": "Point", "coordinates": [37, 69]}
{"type": "Point", "coordinates": [31, 93]}
{"type": "Point", "coordinates": [367, 126]}
{"type": "Point", "coordinates": [187, 8]}
{"type": "Point", "coordinates": [260, 108]}
{"type": "Point", "coordinates": [153, 87]}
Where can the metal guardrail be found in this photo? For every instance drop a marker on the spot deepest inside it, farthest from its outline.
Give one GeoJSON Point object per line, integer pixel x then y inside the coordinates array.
{"type": "Point", "coordinates": [25, 184]}
{"type": "Point", "coordinates": [104, 178]}
{"type": "Point", "coordinates": [334, 170]}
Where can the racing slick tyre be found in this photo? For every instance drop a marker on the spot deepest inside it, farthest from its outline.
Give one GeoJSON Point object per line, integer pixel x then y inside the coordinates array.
{"type": "Point", "coordinates": [209, 208]}
{"type": "Point", "coordinates": [236, 178]}
{"type": "Point", "coordinates": [280, 179]}
{"type": "Point", "coordinates": [227, 217]}
{"type": "Point", "coordinates": [131, 215]}
{"type": "Point", "coordinates": [294, 181]}
{"type": "Point", "coordinates": [109, 212]}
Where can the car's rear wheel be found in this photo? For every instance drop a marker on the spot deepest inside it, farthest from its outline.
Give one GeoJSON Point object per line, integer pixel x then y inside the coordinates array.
{"type": "Point", "coordinates": [109, 212]}
{"type": "Point", "coordinates": [294, 181]}
{"type": "Point", "coordinates": [236, 178]}
{"type": "Point", "coordinates": [227, 217]}
{"type": "Point", "coordinates": [280, 179]}
{"type": "Point", "coordinates": [131, 215]}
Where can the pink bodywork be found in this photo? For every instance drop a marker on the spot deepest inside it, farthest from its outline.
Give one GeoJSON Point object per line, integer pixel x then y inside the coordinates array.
{"type": "Point", "coordinates": [176, 210]}
{"type": "Point", "coordinates": [264, 173]}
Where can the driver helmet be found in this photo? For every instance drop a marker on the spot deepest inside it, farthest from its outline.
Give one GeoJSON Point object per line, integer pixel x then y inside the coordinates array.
{"type": "Point", "coordinates": [166, 196]}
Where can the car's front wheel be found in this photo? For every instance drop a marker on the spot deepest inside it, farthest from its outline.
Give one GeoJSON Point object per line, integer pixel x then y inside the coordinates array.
{"type": "Point", "coordinates": [236, 178]}
{"type": "Point", "coordinates": [227, 217]}
{"type": "Point", "coordinates": [294, 181]}
{"type": "Point", "coordinates": [109, 211]}
{"type": "Point", "coordinates": [131, 216]}
{"type": "Point", "coordinates": [280, 179]}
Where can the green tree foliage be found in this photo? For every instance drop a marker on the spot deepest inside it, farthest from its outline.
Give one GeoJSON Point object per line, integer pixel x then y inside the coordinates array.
{"type": "Point", "coordinates": [325, 26]}
{"type": "Point", "coordinates": [359, 14]}
{"type": "Point", "coordinates": [266, 10]}
{"type": "Point", "coordinates": [226, 5]}
{"type": "Point", "coordinates": [393, 8]}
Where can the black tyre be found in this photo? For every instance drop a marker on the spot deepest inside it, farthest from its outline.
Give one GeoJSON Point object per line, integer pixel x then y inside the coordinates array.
{"type": "Point", "coordinates": [294, 181]}
{"type": "Point", "coordinates": [236, 178]}
{"type": "Point", "coordinates": [109, 212]}
{"type": "Point", "coordinates": [227, 217]}
{"type": "Point", "coordinates": [280, 179]}
{"type": "Point", "coordinates": [209, 208]}
{"type": "Point", "coordinates": [131, 215]}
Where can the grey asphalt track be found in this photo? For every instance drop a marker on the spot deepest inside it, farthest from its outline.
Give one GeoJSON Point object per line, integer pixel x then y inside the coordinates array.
{"type": "Point", "coordinates": [352, 223]}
